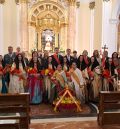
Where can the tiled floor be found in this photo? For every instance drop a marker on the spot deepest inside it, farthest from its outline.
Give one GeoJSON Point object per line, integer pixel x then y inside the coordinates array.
{"type": "Point", "coordinates": [69, 123]}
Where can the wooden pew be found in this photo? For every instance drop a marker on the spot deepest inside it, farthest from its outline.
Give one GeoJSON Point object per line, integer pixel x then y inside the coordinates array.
{"type": "Point", "coordinates": [15, 107]}
{"type": "Point", "coordinates": [109, 108]}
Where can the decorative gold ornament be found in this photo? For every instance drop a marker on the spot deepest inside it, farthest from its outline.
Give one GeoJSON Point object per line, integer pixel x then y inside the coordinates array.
{"type": "Point", "coordinates": [2, 1]}
{"type": "Point", "coordinates": [78, 4]}
{"type": "Point", "coordinates": [17, 1]}
{"type": "Point", "coordinates": [72, 2]}
{"type": "Point", "coordinates": [92, 5]}
{"type": "Point", "coordinates": [106, 0]}
{"type": "Point", "coordinates": [23, 1]}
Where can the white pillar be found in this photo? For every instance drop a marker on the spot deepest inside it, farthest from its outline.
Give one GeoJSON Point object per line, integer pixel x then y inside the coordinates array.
{"type": "Point", "coordinates": [71, 26]}
{"type": "Point", "coordinates": [18, 25]}
{"type": "Point", "coordinates": [77, 37]}
{"type": "Point", "coordinates": [106, 27]}
{"type": "Point", "coordinates": [113, 35]}
{"type": "Point", "coordinates": [1, 30]}
{"type": "Point", "coordinates": [32, 37]}
{"type": "Point", "coordinates": [24, 25]}
{"type": "Point", "coordinates": [92, 10]}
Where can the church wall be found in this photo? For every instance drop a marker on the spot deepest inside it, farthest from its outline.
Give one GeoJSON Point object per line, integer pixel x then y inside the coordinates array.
{"type": "Point", "coordinates": [9, 24]}
{"type": "Point", "coordinates": [84, 28]}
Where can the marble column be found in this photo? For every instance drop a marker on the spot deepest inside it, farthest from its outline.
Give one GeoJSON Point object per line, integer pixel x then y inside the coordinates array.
{"type": "Point", "coordinates": [92, 10]}
{"type": "Point", "coordinates": [1, 27]}
{"type": "Point", "coordinates": [56, 39]}
{"type": "Point", "coordinates": [32, 37]}
{"type": "Point", "coordinates": [113, 35]}
{"type": "Point", "coordinates": [39, 41]}
{"type": "Point", "coordinates": [109, 29]}
{"type": "Point", "coordinates": [24, 26]}
{"type": "Point", "coordinates": [18, 24]}
{"type": "Point", "coordinates": [118, 41]}
{"type": "Point", "coordinates": [63, 37]}
{"type": "Point", "coordinates": [71, 24]}
{"type": "Point", "coordinates": [98, 24]}
{"type": "Point", "coordinates": [77, 37]}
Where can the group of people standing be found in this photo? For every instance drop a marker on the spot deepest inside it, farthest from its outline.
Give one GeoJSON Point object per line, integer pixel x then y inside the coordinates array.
{"type": "Point", "coordinates": [44, 76]}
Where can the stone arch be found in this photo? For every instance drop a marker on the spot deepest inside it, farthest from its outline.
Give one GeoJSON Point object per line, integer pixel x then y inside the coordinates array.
{"type": "Point", "coordinates": [48, 15]}
{"type": "Point", "coordinates": [47, 7]}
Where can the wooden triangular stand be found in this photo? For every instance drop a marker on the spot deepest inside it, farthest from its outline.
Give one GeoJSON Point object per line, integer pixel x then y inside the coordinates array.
{"type": "Point", "coordinates": [71, 96]}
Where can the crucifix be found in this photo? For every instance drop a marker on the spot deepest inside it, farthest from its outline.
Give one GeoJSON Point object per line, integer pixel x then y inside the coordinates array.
{"type": "Point", "coordinates": [105, 47]}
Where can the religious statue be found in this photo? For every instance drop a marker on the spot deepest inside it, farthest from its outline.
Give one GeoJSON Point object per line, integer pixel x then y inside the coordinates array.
{"type": "Point", "coordinates": [48, 40]}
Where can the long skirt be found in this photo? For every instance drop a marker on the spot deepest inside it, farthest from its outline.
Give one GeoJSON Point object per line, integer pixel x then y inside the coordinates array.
{"type": "Point", "coordinates": [16, 84]}
{"type": "Point", "coordinates": [35, 89]}
{"type": "Point", "coordinates": [96, 85]}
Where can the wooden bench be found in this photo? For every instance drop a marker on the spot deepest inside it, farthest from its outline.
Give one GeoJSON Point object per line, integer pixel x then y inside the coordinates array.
{"type": "Point", "coordinates": [14, 107]}
{"type": "Point", "coordinates": [109, 108]}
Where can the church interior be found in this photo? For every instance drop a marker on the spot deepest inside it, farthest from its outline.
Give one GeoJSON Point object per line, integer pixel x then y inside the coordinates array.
{"type": "Point", "coordinates": [59, 64]}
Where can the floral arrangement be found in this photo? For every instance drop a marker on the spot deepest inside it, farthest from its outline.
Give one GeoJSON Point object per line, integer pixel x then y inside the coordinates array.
{"type": "Point", "coordinates": [67, 100]}
{"type": "Point", "coordinates": [31, 70]}
{"type": "Point", "coordinates": [4, 70]}
{"type": "Point", "coordinates": [18, 72]}
{"type": "Point", "coordinates": [15, 71]}
{"type": "Point", "coordinates": [47, 72]}
{"type": "Point", "coordinates": [90, 73]}
{"type": "Point", "coordinates": [1, 70]}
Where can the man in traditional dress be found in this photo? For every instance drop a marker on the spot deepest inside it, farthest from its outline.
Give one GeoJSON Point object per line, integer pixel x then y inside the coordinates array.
{"type": "Point", "coordinates": [78, 81]}
{"type": "Point", "coordinates": [57, 58]}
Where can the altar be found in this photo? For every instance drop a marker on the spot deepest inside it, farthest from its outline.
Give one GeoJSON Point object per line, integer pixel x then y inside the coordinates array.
{"type": "Point", "coordinates": [54, 17]}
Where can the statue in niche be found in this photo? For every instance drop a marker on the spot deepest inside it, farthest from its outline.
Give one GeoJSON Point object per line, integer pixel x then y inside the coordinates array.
{"type": "Point", "coordinates": [48, 45]}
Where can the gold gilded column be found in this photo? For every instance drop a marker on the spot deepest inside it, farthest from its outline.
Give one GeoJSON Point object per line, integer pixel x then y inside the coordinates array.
{"type": "Point", "coordinates": [71, 24]}
{"type": "Point", "coordinates": [2, 1]}
{"type": "Point", "coordinates": [39, 41]}
{"type": "Point", "coordinates": [24, 25]}
{"type": "Point", "coordinates": [56, 39]}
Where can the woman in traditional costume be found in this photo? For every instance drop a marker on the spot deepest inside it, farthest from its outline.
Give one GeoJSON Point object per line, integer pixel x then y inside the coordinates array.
{"type": "Point", "coordinates": [35, 80]}
{"type": "Point", "coordinates": [17, 75]}
{"type": "Point", "coordinates": [3, 85]}
{"type": "Point", "coordinates": [97, 57]}
{"type": "Point", "coordinates": [65, 65]}
{"type": "Point", "coordinates": [59, 80]}
{"type": "Point", "coordinates": [78, 82]}
{"type": "Point", "coordinates": [95, 78]}
{"type": "Point", "coordinates": [115, 71]}
{"type": "Point", "coordinates": [47, 73]}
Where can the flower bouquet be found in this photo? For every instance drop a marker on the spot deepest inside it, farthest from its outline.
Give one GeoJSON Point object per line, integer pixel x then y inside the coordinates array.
{"type": "Point", "coordinates": [1, 70]}
{"type": "Point", "coordinates": [47, 72]}
{"type": "Point", "coordinates": [18, 73]}
{"type": "Point", "coordinates": [32, 70]}
{"type": "Point", "coordinates": [67, 100]}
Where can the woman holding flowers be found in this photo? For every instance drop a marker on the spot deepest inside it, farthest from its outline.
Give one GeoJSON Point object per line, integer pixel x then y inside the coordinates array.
{"type": "Point", "coordinates": [47, 73]}
{"type": "Point", "coordinates": [35, 80]}
{"type": "Point", "coordinates": [3, 86]}
{"type": "Point", "coordinates": [17, 75]}
{"type": "Point", "coordinates": [59, 81]}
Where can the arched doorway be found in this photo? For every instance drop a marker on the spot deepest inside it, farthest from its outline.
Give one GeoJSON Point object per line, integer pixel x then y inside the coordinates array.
{"type": "Point", "coordinates": [47, 16]}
